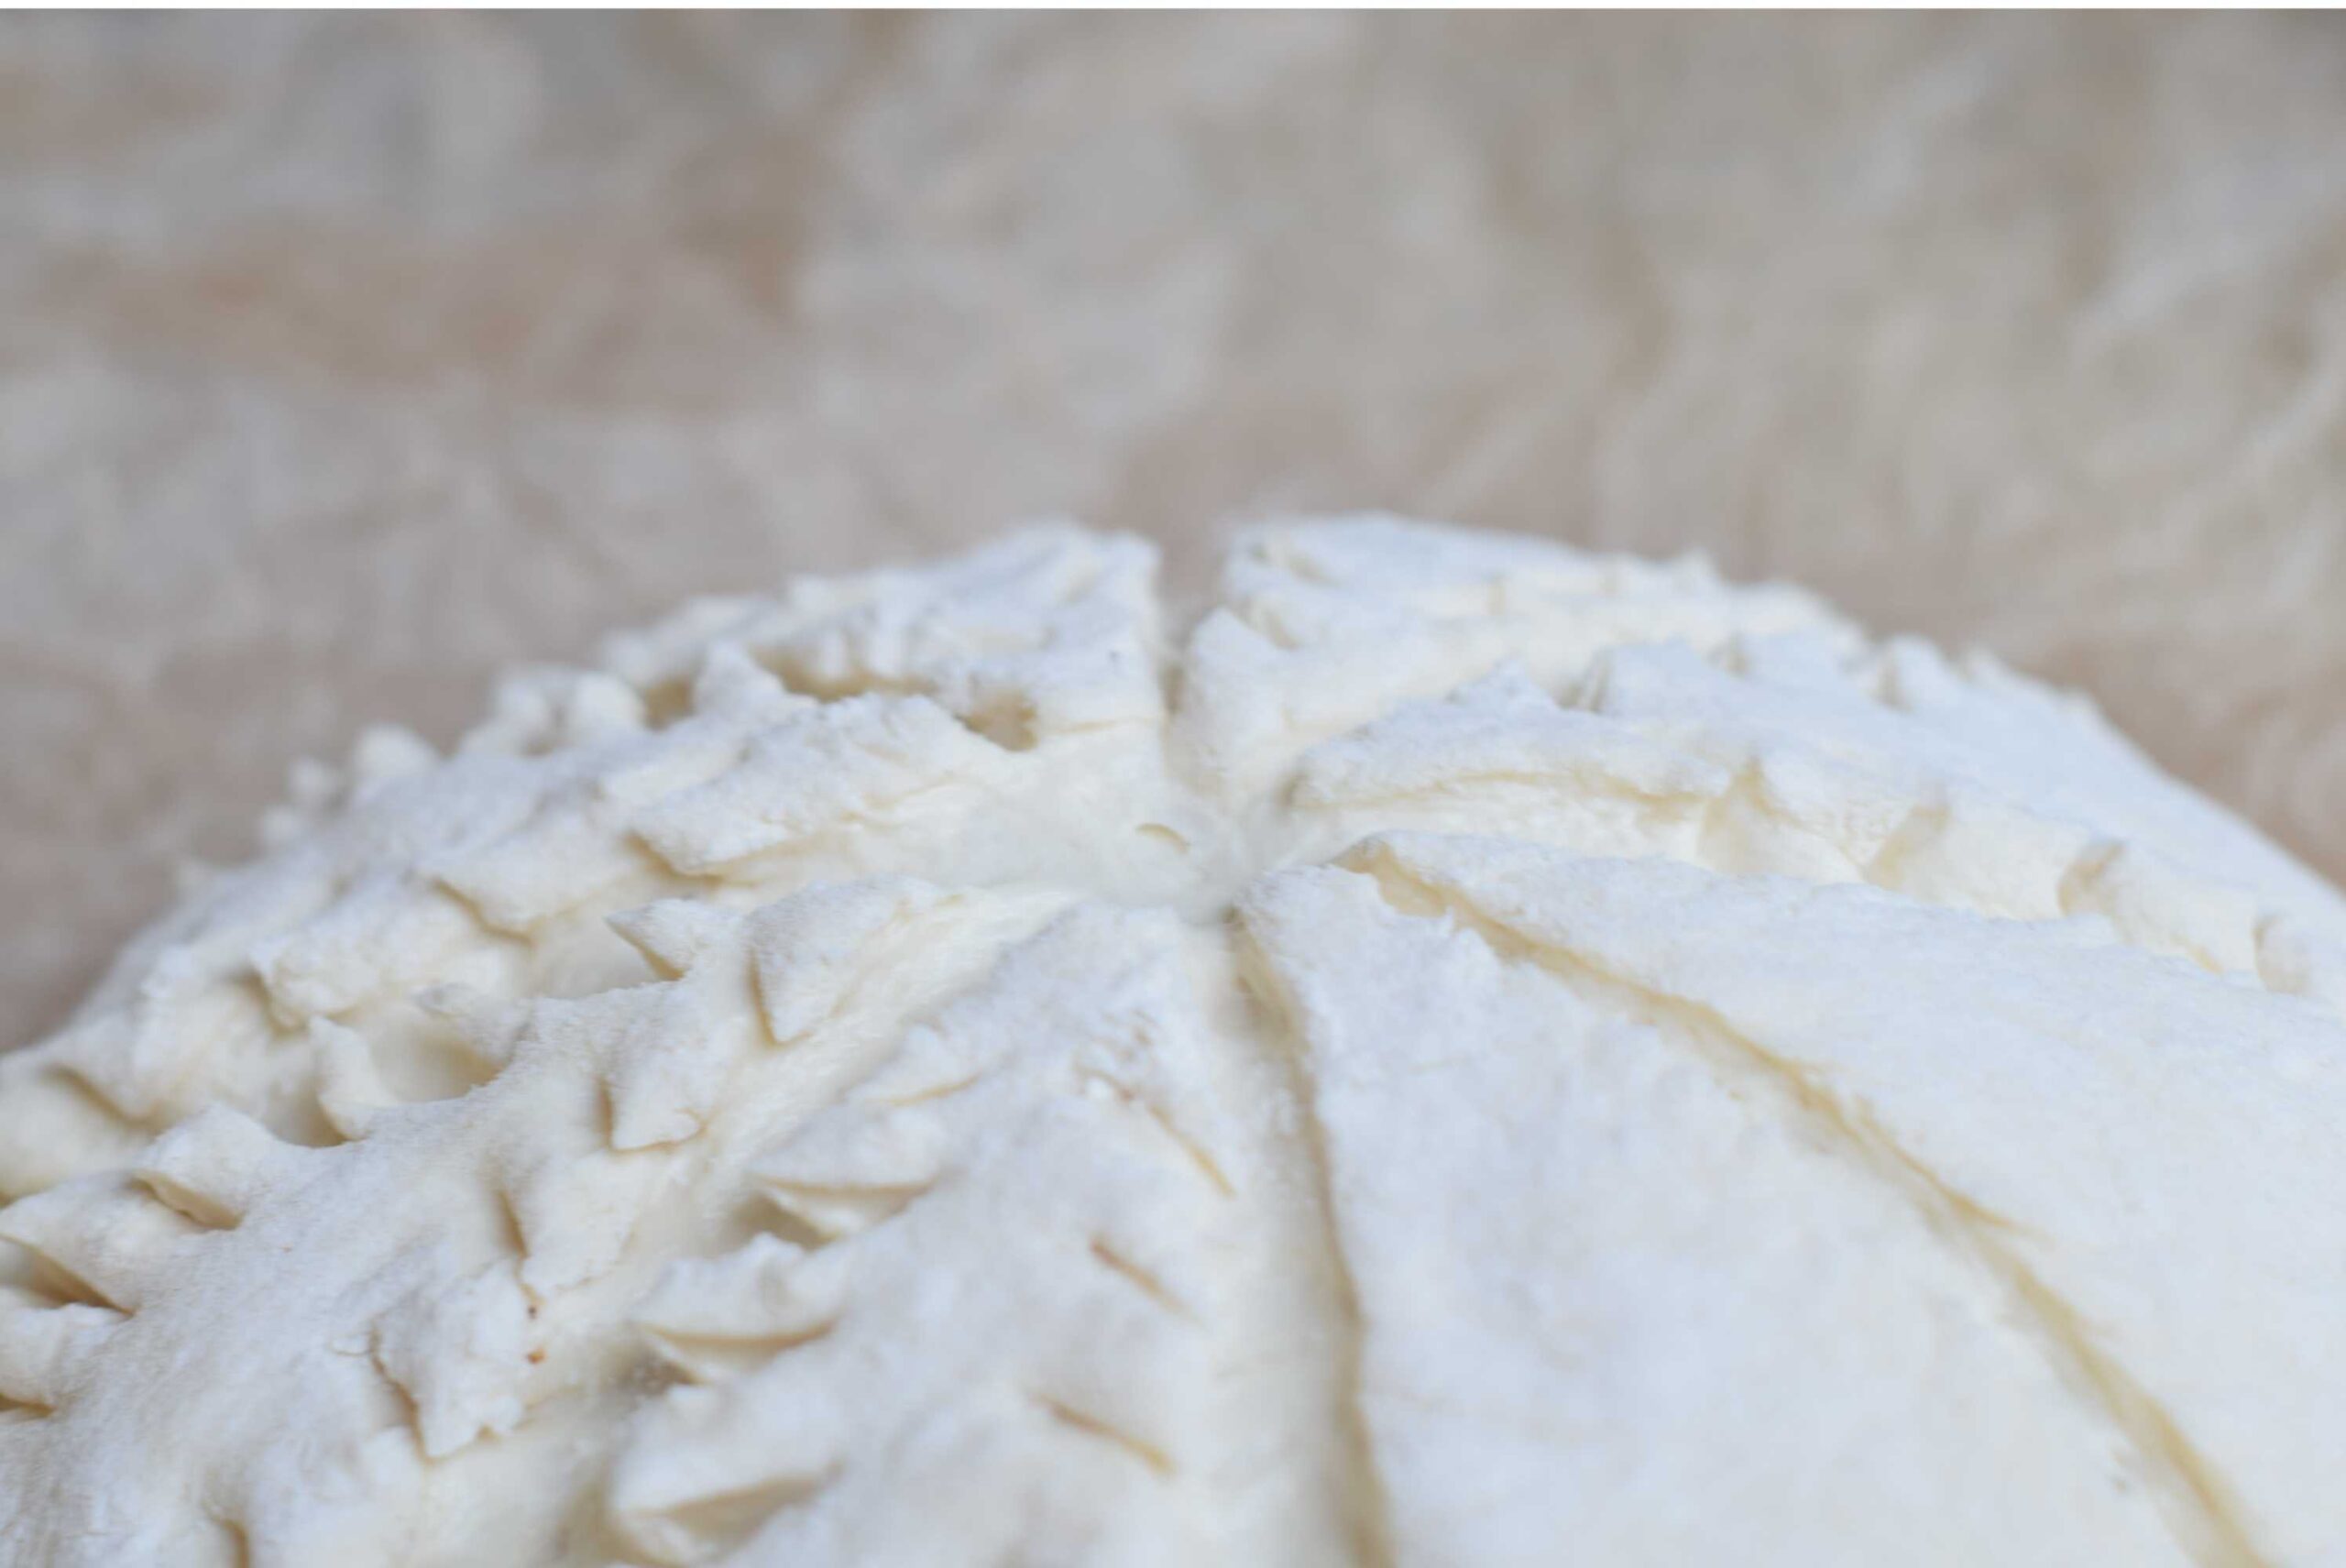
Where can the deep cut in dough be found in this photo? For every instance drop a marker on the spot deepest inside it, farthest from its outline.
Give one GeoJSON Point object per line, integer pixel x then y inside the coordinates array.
{"type": "Point", "coordinates": [1463, 1052]}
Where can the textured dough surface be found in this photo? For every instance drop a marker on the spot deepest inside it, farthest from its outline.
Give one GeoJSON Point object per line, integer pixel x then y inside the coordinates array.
{"type": "Point", "coordinates": [1456, 1051]}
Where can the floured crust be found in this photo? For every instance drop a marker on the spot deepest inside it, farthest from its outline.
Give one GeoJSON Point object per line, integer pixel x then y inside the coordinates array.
{"type": "Point", "coordinates": [1455, 1052]}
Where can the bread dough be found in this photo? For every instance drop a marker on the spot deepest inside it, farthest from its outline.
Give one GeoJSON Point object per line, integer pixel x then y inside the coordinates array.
{"type": "Point", "coordinates": [1461, 1052]}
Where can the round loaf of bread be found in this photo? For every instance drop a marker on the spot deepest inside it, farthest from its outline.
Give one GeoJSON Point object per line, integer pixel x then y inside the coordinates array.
{"type": "Point", "coordinates": [1461, 1052]}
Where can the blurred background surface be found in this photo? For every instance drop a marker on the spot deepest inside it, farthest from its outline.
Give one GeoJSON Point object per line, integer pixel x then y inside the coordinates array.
{"type": "Point", "coordinates": [343, 360]}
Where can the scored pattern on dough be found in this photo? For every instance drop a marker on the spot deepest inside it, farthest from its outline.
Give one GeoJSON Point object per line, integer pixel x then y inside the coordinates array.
{"type": "Point", "coordinates": [551, 1007]}
{"type": "Point", "coordinates": [531, 1187]}
{"type": "Point", "coordinates": [1597, 1276]}
{"type": "Point", "coordinates": [2055, 1205]}
{"type": "Point", "coordinates": [1011, 1292]}
{"type": "Point", "coordinates": [2207, 1515]}
{"type": "Point", "coordinates": [495, 868]}
{"type": "Point", "coordinates": [1679, 771]}
{"type": "Point", "coordinates": [1366, 1510]}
